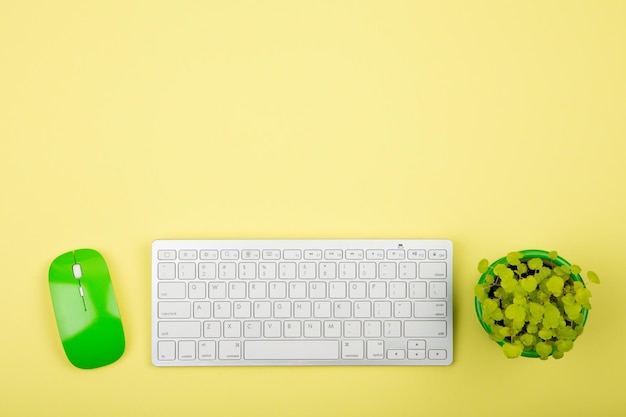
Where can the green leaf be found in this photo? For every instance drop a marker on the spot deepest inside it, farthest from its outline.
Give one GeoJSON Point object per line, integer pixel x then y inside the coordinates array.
{"type": "Point", "coordinates": [564, 345]}
{"type": "Point", "coordinates": [555, 285]}
{"type": "Point", "coordinates": [543, 349]}
{"type": "Point", "coordinates": [513, 258]}
{"type": "Point", "coordinates": [512, 350]}
{"type": "Point", "coordinates": [545, 334]}
{"type": "Point", "coordinates": [573, 311]}
{"type": "Point", "coordinates": [479, 292]}
{"type": "Point", "coordinates": [483, 265]}
{"type": "Point", "coordinates": [551, 316]}
{"type": "Point", "coordinates": [593, 277]}
{"type": "Point", "coordinates": [535, 264]}
{"type": "Point", "coordinates": [576, 269]}
{"type": "Point", "coordinates": [527, 339]}
{"type": "Point", "coordinates": [529, 284]}
{"type": "Point", "coordinates": [509, 284]}
{"type": "Point", "coordinates": [515, 313]}
{"type": "Point", "coordinates": [553, 255]}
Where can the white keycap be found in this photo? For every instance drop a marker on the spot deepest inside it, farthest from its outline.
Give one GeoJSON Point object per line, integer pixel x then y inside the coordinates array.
{"type": "Point", "coordinates": [206, 350]}
{"type": "Point", "coordinates": [332, 328]}
{"type": "Point", "coordinates": [226, 270]}
{"type": "Point", "coordinates": [362, 309]}
{"type": "Point", "coordinates": [357, 290]}
{"type": "Point", "coordinates": [257, 290]}
{"type": "Point", "coordinates": [271, 254]}
{"type": "Point", "coordinates": [397, 290]}
{"type": "Point", "coordinates": [236, 290]}
{"type": "Point", "coordinates": [292, 350]}
{"type": "Point", "coordinates": [313, 254]}
{"type": "Point", "coordinates": [278, 290]}
{"type": "Point", "coordinates": [423, 328]}
{"type": "Point", "coordinates": [321, 309]}
{"type": "Point", "coordinates": [297, 290]}
{"type": "Point", "coordinates": [197, 290]}
{"type": "Point", "coordinates": [232, 329]}
{"type": "Point", "coordinates": [337, 290]}
{"type": "Point", "coordinates": [375, 254]}
{"type": "Point", "coordinates": [438, 254]}
{"type": "Point", "coordinates": [229, 350]}
{"type": "Point", "coordinates": [395, 354]}
{"type": "Point", "coordinates": [208, 255]}
{"type": "Point", "coordinates": [354, 254]}
{"type": "Point", "coordinates": [250, 254]}
{"type": "Point", "coordinates": [429, 309]}
{"type": "Point", "coordinates": [186, 350]}
{"type": "Point", "coordinates": [395, 254]}
{"type": "Point", "coordinates": [437, 354]}
{"type": "Point", "coordinates": [217, 290]}
{"type": "Point", "coordinates": [367, 270]}
{"type": "Point", "coordinates": [377, 290]}
{"type": "Point", "coordinates": [352, 328]}
{"type": "Point", "coordinates": [307, 270]}
{"type": "Point", "coordinates": [166, 270]}
{"type": "Point", "coordinates": [302, 309]}
{"type": "Point", "coordinates": [242, 309]}
{"type": "Point", "coordinates": [382, 309]}
{"type": "Point", "coordinates": [417, 290]}
{"type": "Point", "coordinates": [267, 270]}
{"type": "Point", "coordinates": [429, 270]}
{"type": "Point", "coordinates": [187, 270]}
{"type": "Point", "coordinates": [282, 309]}
{"type": "Point", "coordinates": [166, 255]}
{"type": "Point", "coordinates": [287, 270]}
{"type": "Point", "coordinates": [372, 328]}
{"type": "Point", "coordinates": [182, 329]}
{"type": "Point", "coordinates": [416, 254]}
{"type": "Point", "coordinates": [437, 289]}
{"type": "Point", "coordinates": [333, 254]}
{"type": "Point", "coordinates": [212, 329]}
{"type": "Point", "coordinates": [247, 270]}
{"type": "Point", "coordinates": [392, 328]}
{"type": "Point", "coordinates": [229, 254]}
{"type": "Point", "coordinates": [207, 270]}
{"type": "Point", "coordinates": [312, 328]}
{"type": "Point", "coordinates": [408, 270]}
{"type": "Point", "coordinates": [272, 328]}
{"type": "Point", "coordinates": [375, 349]}
{"type": "Point", "coordinates": [327, 270]}
{"type": "Point", "coordinates": [342, 309]}
{"type": "Point", "coordinates": [317, 290]}
{"type": "Point", "coordinates": [292, 254]}
{"type": "Point", "coordinates": [387, 270]}
{"type": "Point", "coordinates": [347, 270]}
{"type": "Point", "coordinates": [202, 309]}
{"type": "Point", "coordinates": [352, 349]}
{"type": "Point", "coordinates": [166, 350]}
{"type": "Point", "coordinates": [252, 328]}
{"type": "Point", "coordinates": [416, 354]}
{"type": "Point", "coordinates": [174, 309]}
{"type": "Point", "coordinates": [222, 309]}
{"type": "Point", "coordinates": [292, 328]}
{"type": "Point", "coordinates": [262, 309]}
{"type": "Point", "coordinates": [171, 290]}
{"type": "Point", "coordinates": [402, 309]}
{"type": "Point", "coordinates": [187, 255]}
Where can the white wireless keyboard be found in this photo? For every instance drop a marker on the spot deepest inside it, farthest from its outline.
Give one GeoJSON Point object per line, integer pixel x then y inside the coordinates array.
{"type": "Point", "coordinates": [301, 302]}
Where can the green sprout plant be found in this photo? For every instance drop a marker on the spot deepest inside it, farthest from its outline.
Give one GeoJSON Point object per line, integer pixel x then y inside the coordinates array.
{"type": "Point", "coordinates": [533, 303]}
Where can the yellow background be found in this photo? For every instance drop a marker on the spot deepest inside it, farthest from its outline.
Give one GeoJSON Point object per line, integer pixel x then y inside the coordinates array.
{"type": "Point", "coordinates": [496, 124]}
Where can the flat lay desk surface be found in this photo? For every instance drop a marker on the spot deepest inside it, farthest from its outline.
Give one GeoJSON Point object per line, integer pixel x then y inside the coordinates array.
{"type": "Point", "coordinates": [498, 125]}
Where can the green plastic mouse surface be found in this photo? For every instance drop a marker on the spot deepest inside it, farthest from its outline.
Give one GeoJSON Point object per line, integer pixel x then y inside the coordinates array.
{"type": "Point", "coordinates": [85, 308]}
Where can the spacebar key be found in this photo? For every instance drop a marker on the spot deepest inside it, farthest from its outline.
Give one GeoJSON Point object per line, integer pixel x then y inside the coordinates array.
{"type": "Point", "coordinates": [291, 349]}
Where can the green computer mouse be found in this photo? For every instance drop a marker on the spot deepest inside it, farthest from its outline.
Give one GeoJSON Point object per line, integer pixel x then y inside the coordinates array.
{"type": "Point", "coordinates": [85, 308]}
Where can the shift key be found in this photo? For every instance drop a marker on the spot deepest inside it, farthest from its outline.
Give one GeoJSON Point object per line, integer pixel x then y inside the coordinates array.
{"type": "Point", "coordinates": [179, 329]}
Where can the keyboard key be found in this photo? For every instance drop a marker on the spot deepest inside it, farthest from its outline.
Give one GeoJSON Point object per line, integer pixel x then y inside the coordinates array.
{"type": "Point", "coordinates": [227, 270]}
{"type": "Point", "coordinates": [174, 310]}
{"type": "Point", "coordinates": [387, 270]}
{"type": "Point", "coordinates": [375, 254]}
{"type": "Point", "coordinates": [271, 254]}
{"type": "Point", "coordinates": [165, 255]}
{"type": "Point", "coordinates": [171, 290]}
{"type": "Point", "coordinates": [250, 254]}
{"type": "Point", "coordinates": [166, 270]}
{"type": "Point", "coordinates": [186, 270]}
{"type": "Point", "coordinates": [347, 270]}
{"type": "Point", "coordinates": [428, 270]}
{"type": "Point", "coordinates": [439, 254]}
{"type": "Point", "coordinates": [352, 349]}
{"type": "Point", "coordinates": [188, 255]}
{"type": "Point", "coordinates": [206, 350]}
{"type": "Point", "coordinates": [424, 328]}
{"type": "Point", "coordinates": [208, 255]}
{"type": "Point", "coordinates": [186, 350]}
{"type": "Point", "coordinates": [437, 290]}
{"type": "Point", "coordinates": [416, 254]}
{"type": "Point", "coordinates": [292, 254]}
{"type": "Point", "coordinates": [354, 254]}
{"type": "Point", "coordinates": [429, 309]}
{"type": "Point", "coordinates": [291, 350]}
{"type": "Point", "coordinates": [229, 350]}
{"type": "Point", "coordinates": [395, 354]}
{"type": "Point", "coordinates": [229, 254]}
{"type": "Point", "coordinates": [333, 254]}
{"type": "Point", "coordinates": [313, 254]}
{"type": "Point", "coordinates": [395, 254]}
{"type": "Point", "coordinates": [182, 329]}
{"type": "Point", "coordinates": [375, 349]}
{"type": "Point", "coordinates": [166, 350]}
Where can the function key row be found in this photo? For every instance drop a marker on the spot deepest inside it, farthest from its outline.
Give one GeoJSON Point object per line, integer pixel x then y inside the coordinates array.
{"type": "Point", "coordinates": [297, 254]}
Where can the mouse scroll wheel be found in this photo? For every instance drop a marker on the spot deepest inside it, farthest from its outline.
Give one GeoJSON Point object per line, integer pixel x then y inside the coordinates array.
{"type": "Point", "coordinates": [77, 270]}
